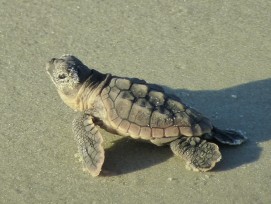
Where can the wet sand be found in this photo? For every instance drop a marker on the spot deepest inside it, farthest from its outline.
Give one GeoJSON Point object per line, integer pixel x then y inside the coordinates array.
{"type": "Point", "coordinates": [215, 55]}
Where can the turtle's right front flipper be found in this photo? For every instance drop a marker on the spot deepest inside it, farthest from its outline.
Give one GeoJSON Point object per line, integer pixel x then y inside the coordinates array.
{"type": "Point", "coordinates": [89, 141]}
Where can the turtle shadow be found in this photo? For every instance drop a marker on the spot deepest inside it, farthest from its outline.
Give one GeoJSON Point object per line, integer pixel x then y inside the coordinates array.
{"type": "Point", "coordinates": [128, 155]}
{"type": "Point", "coordinates": [244, 107]}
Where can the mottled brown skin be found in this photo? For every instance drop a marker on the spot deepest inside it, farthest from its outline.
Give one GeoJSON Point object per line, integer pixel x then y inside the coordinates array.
{"type": "Point", "coordinates": [132, 107]}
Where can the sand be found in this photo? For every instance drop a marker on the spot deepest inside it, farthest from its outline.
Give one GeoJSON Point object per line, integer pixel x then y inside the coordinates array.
{"type": "Point", "coordinates": [216, 55]}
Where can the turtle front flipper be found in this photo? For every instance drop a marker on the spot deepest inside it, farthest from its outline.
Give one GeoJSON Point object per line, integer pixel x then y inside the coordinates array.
{"type": "Point", "coordinates": [89, 141]}
{"type": "Point", "coordinates": [199, 154]}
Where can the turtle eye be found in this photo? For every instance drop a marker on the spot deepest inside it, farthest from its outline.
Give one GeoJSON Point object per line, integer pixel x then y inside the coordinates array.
{"type": "Point", "coordinates": [62, 76]}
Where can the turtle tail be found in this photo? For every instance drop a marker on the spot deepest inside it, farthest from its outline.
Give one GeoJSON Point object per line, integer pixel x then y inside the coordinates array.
{"type": "Point", "coordinates": [229, 137]}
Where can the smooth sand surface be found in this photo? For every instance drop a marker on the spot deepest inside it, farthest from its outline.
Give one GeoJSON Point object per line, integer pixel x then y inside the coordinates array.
{"type": "Point", "coordinates": [216, 55]}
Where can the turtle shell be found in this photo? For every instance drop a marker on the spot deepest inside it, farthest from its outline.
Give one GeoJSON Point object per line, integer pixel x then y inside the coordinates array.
{"type": "Point", "coordinates": [145, 111]}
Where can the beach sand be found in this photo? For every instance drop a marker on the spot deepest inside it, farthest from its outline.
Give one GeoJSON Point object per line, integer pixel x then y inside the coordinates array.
{"type": "Point", "coordinates": [215, 55]}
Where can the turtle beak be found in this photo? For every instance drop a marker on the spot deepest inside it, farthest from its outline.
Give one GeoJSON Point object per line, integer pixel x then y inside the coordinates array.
{"type": "Point", "coordinates": [50, 66]}
{"type": "Point", "coordinates": [52, 60]}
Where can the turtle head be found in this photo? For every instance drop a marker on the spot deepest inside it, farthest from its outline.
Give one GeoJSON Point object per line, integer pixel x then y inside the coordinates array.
{"type": "Point", "coordinates": [68, 74]}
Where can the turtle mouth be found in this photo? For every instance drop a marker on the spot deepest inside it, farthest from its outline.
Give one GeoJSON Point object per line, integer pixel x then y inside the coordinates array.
{"type": "Point", "coordinates": [50, 66]}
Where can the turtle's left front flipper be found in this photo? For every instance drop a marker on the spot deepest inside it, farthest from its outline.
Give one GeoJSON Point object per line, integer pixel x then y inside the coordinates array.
{"type": "Point", "coordinates": [89, 141]}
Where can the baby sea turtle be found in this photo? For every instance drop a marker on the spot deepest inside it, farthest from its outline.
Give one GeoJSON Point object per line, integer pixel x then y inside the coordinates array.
{"type": "Point", "coordinates": [132, 107]}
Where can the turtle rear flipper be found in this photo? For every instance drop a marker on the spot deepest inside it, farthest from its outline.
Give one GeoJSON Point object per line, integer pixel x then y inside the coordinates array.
{"type": "Point", "coordinates": [199, 154]}
{"type": "Point", "coordinates": [229, 137]}
{"type": "Point", "coordinates": [89, 142]}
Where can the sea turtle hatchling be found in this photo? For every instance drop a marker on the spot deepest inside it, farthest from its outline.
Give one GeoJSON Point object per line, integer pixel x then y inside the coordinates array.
{"type": "Point", "coordinates": [132, 107]}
